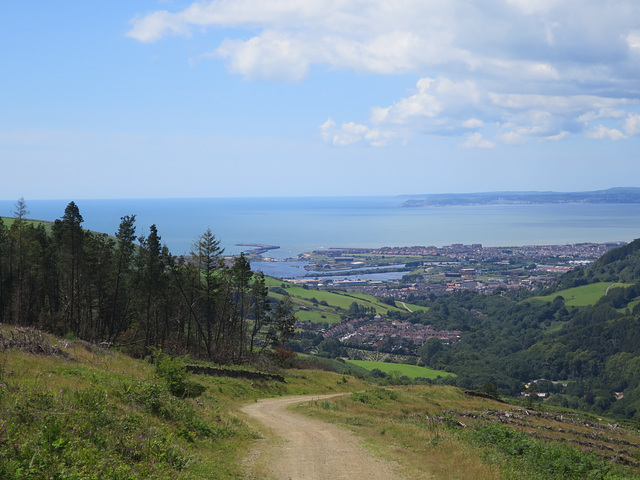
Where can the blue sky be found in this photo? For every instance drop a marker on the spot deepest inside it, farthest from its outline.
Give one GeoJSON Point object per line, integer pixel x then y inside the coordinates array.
{"type": "Point", "coordinates": [145, 99]}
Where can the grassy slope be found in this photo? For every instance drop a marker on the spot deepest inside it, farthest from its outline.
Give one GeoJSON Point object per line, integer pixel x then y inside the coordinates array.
{"type": "Point", "coordinates": [337, 302]}
{"type": "Point", "coordinates": [8, 221]}
{"type": "Point", "coordinates": [98, 414]}
{"type": "Point", "coordinates": [102, 415]}
{"type": "Point", "coordinates": [439, 432]}
{"type": "Point", "coordinates": [580, 296]}
{"type": "Point", "coordinates": [411, 371]}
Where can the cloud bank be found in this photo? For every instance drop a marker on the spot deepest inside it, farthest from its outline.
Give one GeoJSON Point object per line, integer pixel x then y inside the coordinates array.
{"type": "Point", "coordinates": [490, 72]}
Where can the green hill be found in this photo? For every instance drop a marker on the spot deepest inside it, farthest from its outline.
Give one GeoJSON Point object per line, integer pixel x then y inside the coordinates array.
{"type": "Point", "coordinates": [586, 295]}
{"type": "Point", "coordinates": [332, 306]}
{"type": "Point", "coordinates": [74, 410]}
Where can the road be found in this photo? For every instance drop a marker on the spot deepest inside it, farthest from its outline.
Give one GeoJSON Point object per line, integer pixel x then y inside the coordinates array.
{"type": "Point", "coordinates": [301, 448]}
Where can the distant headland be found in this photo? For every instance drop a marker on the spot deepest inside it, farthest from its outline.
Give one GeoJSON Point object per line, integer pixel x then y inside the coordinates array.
{"type": "Point", "coordinates": [609, 196]}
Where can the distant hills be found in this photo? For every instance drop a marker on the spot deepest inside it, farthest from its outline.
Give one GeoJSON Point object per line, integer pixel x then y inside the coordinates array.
{"type": "Point", "coordinates": [611, 195]}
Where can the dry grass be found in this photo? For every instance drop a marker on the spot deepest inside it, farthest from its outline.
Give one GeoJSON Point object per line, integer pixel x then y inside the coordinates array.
{"type": "Point", "coordinates": [428, 431]}
{"type": "Point", "coordinates": [401, 425]}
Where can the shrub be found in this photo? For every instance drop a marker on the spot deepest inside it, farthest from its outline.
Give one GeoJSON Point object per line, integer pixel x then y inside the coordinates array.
{"type": "Point", "coordinates": [174, 372]}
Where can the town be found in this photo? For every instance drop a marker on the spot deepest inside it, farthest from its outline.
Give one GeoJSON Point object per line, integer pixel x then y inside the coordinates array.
{"type": "Point", "coordinates": [436, 271]}
{"type": "Point", "coordinates": [379, 332]}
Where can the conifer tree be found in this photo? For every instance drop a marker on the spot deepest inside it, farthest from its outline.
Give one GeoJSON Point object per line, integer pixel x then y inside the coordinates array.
{"type": "Point", "coordinates": [69, 237]}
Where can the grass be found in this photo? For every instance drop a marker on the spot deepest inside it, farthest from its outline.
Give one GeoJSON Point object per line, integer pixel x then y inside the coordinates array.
{"type": "Point", "coordinates": [329, 306]}
{"type": "Point", "coordinates": [88, 413]}
{"type": "Point", "coordinates": [439, 432]}
{"type": "Point", "coordinates": [412, 307]}
{"type": "Point", "coordinates": [583, 296]}
{"type": "Point", "coordinates": [8, 221]}
{"type": "Point", "coordinates": [411, 371]}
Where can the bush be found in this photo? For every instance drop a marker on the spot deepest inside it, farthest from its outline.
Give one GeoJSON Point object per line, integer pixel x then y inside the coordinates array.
{"type": "Point", "coordinates": [174, 372]}
{"type": "Point", "coordinates": [522, 453]}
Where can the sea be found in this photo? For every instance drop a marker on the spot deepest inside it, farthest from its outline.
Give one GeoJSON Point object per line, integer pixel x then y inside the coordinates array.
{"type": "Point", "coordinates": [298, 225]}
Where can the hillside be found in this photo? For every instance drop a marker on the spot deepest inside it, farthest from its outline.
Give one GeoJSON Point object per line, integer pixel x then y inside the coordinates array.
{"type": "Point", "coordinates": [332, 306]}
{"type": "Point", "coordinates": [71, 409]}
{"type": "Point", "coordinates": [619, 265]}
{"type": "Point", "coordinates": [582, 334]}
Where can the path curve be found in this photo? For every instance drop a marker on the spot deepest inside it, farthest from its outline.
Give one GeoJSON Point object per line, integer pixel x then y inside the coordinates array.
{"type": "Point", "coordinates": [609, 287]}
{"type": "Point", "coordinates": [310, 449]}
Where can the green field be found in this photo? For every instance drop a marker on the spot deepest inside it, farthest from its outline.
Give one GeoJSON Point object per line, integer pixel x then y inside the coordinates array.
{"type": "Point", "coordinates": [581, 296]}
{"type": "Point", "coordinates": [411, 371]}
{"type": "Point", "coordinates": [8, 221]}
{"type": "Point", "coordinates": [330, 305]}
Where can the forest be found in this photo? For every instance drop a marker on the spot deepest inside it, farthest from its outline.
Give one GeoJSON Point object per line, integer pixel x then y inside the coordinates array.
{"type": "Point", "coordinates": [130, 291]}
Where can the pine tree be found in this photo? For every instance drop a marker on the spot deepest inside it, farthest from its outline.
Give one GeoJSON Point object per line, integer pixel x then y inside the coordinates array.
{"type": "Point", "coordinates": [206, 256]}
{"type": "Point", "coordinates": [69, 237]}
{"type": "Point", "coordinates": [120, 302]}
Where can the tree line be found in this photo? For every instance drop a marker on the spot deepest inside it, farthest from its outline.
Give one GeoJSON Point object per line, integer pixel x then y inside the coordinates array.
{"type": "Point", "coordinates": [129, 290]}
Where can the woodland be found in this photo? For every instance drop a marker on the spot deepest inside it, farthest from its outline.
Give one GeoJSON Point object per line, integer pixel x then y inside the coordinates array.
{"type": "Point", "coordinates": [130, 291]}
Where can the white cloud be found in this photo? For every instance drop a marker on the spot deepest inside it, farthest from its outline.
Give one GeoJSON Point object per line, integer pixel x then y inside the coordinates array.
{"type": "Point", "coordinates": [434, 98]}
{"type": "Point", "coordinates": [605, 112]}
{"type": "Point", "coordinates": [154, 26]}
{"type": "Point", "coordinates": [441, 106]}
{"type": "Point", "coordinates": [327, 130]}
{"type": "Point", "coordinates": [601, 132]}
{"type": "Point", "coordinates": [632, 124]}
{"type": "Point", "coordinates": [475, 140]}
{"type": "Point", "coordinates": [539, 70]}
{"type": "Point", "coordinates": [350, 133]}
{"type": "Point", "coordinates": [271, 56]}
{"type": "Point", "coordinates": [559, 136]}
{"type": "Point", "coordinates": [473, 123]}
{"type": "Point", "coordinates": [633, 40]}
{"type": "Point", "coordinates": [416, 36]}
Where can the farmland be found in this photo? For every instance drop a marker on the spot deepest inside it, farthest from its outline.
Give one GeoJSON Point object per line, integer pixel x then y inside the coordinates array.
{"type": "Point", "coordinates": [411, 371]}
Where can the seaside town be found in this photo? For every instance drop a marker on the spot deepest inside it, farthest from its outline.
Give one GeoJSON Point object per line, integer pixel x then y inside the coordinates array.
{"type": "Point", "coordinates": [444, 270]}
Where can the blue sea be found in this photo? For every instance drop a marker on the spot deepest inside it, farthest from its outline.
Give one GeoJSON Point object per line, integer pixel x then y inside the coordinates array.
{"type": "Point", "coordinates": [303, 224]}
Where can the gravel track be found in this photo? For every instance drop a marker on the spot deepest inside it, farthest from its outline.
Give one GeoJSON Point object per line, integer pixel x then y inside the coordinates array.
{"type": "Point", "coordinates": [301, 448]}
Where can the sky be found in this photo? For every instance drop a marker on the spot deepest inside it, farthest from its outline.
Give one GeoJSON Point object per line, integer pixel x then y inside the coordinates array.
{"type": "Point", "coordinates": [245, 98]}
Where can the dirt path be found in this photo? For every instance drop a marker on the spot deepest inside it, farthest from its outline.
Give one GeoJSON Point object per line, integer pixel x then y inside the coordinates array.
{"type": "Point", "coordinates": [407, 308]}
{"type": "Point", "coordinates": [300, 448]}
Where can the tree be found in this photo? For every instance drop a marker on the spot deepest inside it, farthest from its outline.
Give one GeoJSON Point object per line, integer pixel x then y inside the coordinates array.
{"type": "Point", "coordinates": [120, 302]}
{"type": "Point", "coordinates": [260, 308]}
{"type": "Point", "coordinates": [4, 287]}
{"type": "Point", "coordinates": [18, 261]}
{"type": "Point", "coordinates": [21, 210]}
{"type": "Point", "coordinates": [490, 389]}
{"type": "Point", "coordinates": [206, 257]}
{"type": "Point", "coordinates": [150, 284]}
{"type": "Point", "coordinates": [241, 276]}
{"type": "Point", "coordinates": [282, 328]}
{"type": "Point", "coordinates": [430, 351]}
{"type": "Point", "coordinates": [68, 237]}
